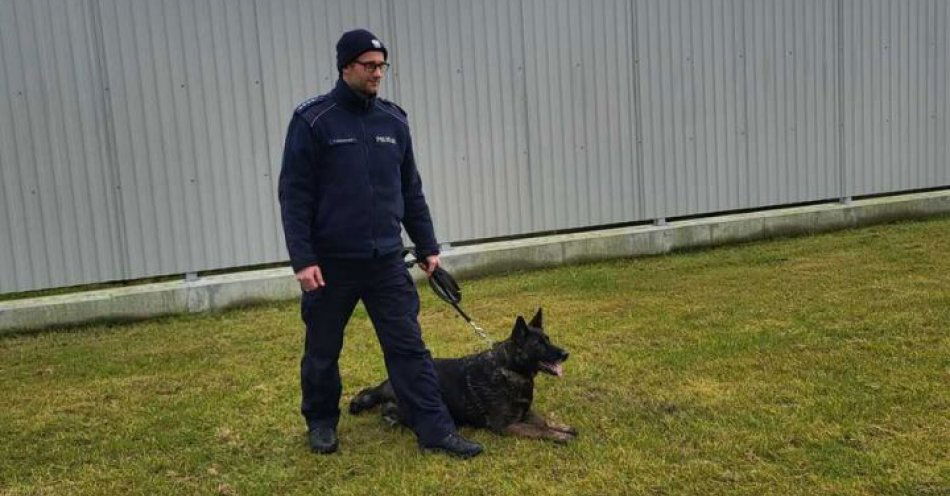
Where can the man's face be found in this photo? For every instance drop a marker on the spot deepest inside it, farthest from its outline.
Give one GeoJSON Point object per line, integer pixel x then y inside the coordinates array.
{"type": "Point", "coordinates": [366, 73]}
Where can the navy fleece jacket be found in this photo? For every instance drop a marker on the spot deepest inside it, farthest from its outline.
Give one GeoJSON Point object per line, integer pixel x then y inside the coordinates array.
{"type": "Point", "coordinates": [349, 179]}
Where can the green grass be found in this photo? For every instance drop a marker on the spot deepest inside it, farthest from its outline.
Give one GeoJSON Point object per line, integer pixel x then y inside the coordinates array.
{"type": "Point", "coordinates": [798, 366]}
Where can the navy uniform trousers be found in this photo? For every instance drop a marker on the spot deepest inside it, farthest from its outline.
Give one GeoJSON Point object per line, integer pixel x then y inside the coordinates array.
{"type": "Point", "coordinates": [390, 298]}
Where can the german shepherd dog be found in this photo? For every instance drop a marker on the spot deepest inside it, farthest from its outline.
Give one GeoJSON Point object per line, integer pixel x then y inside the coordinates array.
{"type": "Point", "coordinates": [492, 389]}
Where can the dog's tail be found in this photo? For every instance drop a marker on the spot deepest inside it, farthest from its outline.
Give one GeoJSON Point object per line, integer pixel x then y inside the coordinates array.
{"type": "Point", "coordinates": [368, 398]}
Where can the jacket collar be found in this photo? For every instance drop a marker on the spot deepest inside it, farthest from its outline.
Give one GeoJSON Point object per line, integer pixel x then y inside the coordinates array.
{"type": "Point", "coordinates": [352, 99]}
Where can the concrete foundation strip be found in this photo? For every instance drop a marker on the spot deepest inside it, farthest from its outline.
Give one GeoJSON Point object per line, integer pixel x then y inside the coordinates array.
{"type": "Point", "coordinates": [227, 290]}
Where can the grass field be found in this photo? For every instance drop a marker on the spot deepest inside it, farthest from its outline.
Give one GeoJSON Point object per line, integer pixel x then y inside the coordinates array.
{"type": "Point", "coordinates": [817, 365]}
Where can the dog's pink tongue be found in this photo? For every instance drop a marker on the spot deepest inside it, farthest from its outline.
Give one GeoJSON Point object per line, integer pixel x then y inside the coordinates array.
{"type": "Point", "coordinates": [558, 369]}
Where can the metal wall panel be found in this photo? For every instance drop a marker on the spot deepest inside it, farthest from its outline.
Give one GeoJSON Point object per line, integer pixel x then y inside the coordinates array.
{"type": "Point", "coordinates": [459, 69]}
{"type": "Point", "coordinates": [738, 103]}
{"type": "Point", "coordinates": [140, 138]}
{"type": "Point", "coordinates": [791, 91]}
{"type": "Point", "coordinates": [692, 104]}
{"type": "Point", "coordinates": [184, 81]}
{"type": "Point", "coordinates": [56, 224]}
{"type": "Point", "coordinates": [898, 97]}
{"type": "Point", "coordinates": [580, 66]}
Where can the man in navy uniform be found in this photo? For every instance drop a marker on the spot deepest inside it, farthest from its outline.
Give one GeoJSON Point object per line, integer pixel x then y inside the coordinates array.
{"type": "Point", "coordinates": [347, 182]}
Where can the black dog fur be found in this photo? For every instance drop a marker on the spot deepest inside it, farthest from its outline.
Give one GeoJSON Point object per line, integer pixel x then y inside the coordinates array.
{"type": "Point", "coordinates": [493, 389]}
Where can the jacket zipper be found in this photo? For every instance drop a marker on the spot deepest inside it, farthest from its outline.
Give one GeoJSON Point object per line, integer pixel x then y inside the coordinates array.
{"type": "Point", "coordinates": [372, 191]}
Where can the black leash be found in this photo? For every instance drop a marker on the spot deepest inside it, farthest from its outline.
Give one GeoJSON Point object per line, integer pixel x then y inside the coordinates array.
{"type": "Point", "coordinates": [447, 289]}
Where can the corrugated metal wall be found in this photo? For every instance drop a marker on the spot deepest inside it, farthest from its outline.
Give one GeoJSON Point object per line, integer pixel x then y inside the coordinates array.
{"type": "Point", "coordinates": [738, 103]}
{"type": "Point", "coordinates": [582, 134]}
{"type": "Point", "coordinates": [897, 96]}
{"type": "Point", "coordinates": [460, 75]}
{"type": "Point", "coordinates": [142, 138]}
{"type": "Point", "coordinates": [58, 198]}
{"type": "Point", "coordinates": [188, 121]}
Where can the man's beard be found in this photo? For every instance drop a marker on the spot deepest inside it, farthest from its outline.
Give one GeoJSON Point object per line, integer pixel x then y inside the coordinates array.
{"type": "Point", "coordinates": [368, 90]}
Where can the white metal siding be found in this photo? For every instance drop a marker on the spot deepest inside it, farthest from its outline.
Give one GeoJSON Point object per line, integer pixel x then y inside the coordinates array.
{"type": "Point", "coordinates": [184, 86]}
{"type": "Point", "coordinates": [791, 86]}
{"type": "Point", "coordinates": [897, 102]}
{"type": "Point", "coordinates": [468, 122]}
{"type": "Point", "coordinates": [56, 224]}
{"type": "Point", "coordinates": [140, 138]}
{"type": "Point", "coordinates": [580, 67]}
{"type": "Point", "coordinates": [738, 103]}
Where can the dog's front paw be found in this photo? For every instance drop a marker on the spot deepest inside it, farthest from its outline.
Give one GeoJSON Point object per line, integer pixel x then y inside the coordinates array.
{"type": "Point", "coordinates": [561, 437]}
{"type": "Point", "coordinates": [563, 428]}
{"type": "Point", "coordinates": [390, 414]}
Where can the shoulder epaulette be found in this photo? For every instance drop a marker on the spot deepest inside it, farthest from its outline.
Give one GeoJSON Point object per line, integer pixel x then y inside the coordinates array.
{"type": "Point", "coordinates": [394, 104]}
{"type": "Point", "coordinates": [310, 101]}
{"type": "Point", "coordinates": [393, 109]}
{"type": "Point", "coordinates": [311, 109]}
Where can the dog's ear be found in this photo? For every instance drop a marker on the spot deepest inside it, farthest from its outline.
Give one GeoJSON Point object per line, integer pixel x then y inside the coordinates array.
{"type": "Point", "coordinates": [537, 320]}
{"type": "Point", "coordinates": [520, 332]}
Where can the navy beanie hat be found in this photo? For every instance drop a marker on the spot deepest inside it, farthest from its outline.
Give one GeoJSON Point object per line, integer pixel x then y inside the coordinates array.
{"type": "Point", "coordinates": [355, 43]}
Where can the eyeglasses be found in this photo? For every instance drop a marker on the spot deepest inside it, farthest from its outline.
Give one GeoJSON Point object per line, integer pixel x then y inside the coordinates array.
{"type": "Point", "coordinates": [372, 66]}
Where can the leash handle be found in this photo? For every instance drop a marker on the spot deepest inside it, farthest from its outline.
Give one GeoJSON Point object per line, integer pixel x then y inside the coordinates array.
{"type": "Point", "coordinates": [444, 286]}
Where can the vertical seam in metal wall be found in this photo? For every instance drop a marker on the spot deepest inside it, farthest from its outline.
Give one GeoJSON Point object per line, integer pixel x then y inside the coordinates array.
{"type": "Point", "coordinates": [155, 40]}
{"type": "Point", "coordinates": [929, 172]}
{"type": "Point", "coordinates": [637, 116]}
{"type": "Point", "coordinates": [31, 125]}
{"type": "Point", "coordinates": [93, 221]}
{"type": "Point", "coordinates": [65, 204]}
{"type": "Point", "coordinates": [583, 150]}
{"type": "Point", "coordinates": [935, 159]}
{"type": "Point", "coordinates": [390, 14]}
{"type": "Point", "coordinates": [267, 134]}
{"type": "Point", "coordinates": [493, 165]}
{"type": "Point", "coordinates": [689, 110]}
{"type": "Point", "coordinates": [217, 67]}
{"type": "Point", "coordinates": [117, 216]}
{"type": "Point", "coordinates": [527, 120]}
{"type": "Point", "coordinates": [747, 96]}
{"type": "Point", "coordinates": [476, 159]}
{"type": "Point", "coordinates": [464, 124]}
{"type": "Point", "coordinates": [151, 223]}
{"type": "Point", "coordinates": [842, 164]}
{"type": "Point", "coordinates": [18, 187]}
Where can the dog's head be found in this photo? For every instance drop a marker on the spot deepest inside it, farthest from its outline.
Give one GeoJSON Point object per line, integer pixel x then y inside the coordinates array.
{"type": "Point", "coordinates": [531, 349]}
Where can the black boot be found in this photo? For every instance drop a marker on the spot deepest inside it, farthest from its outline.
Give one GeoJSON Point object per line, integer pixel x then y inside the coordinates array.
{"type": "Point", "coordinates": [323, 440]}
{"type": "Point", "coordinates": [455, 445]}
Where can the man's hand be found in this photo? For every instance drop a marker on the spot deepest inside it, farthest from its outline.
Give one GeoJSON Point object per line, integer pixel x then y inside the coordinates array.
{"type": "Point", "coordinates": [310, 278]}
{"type": "Point", "coordinates": [432, 261]}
